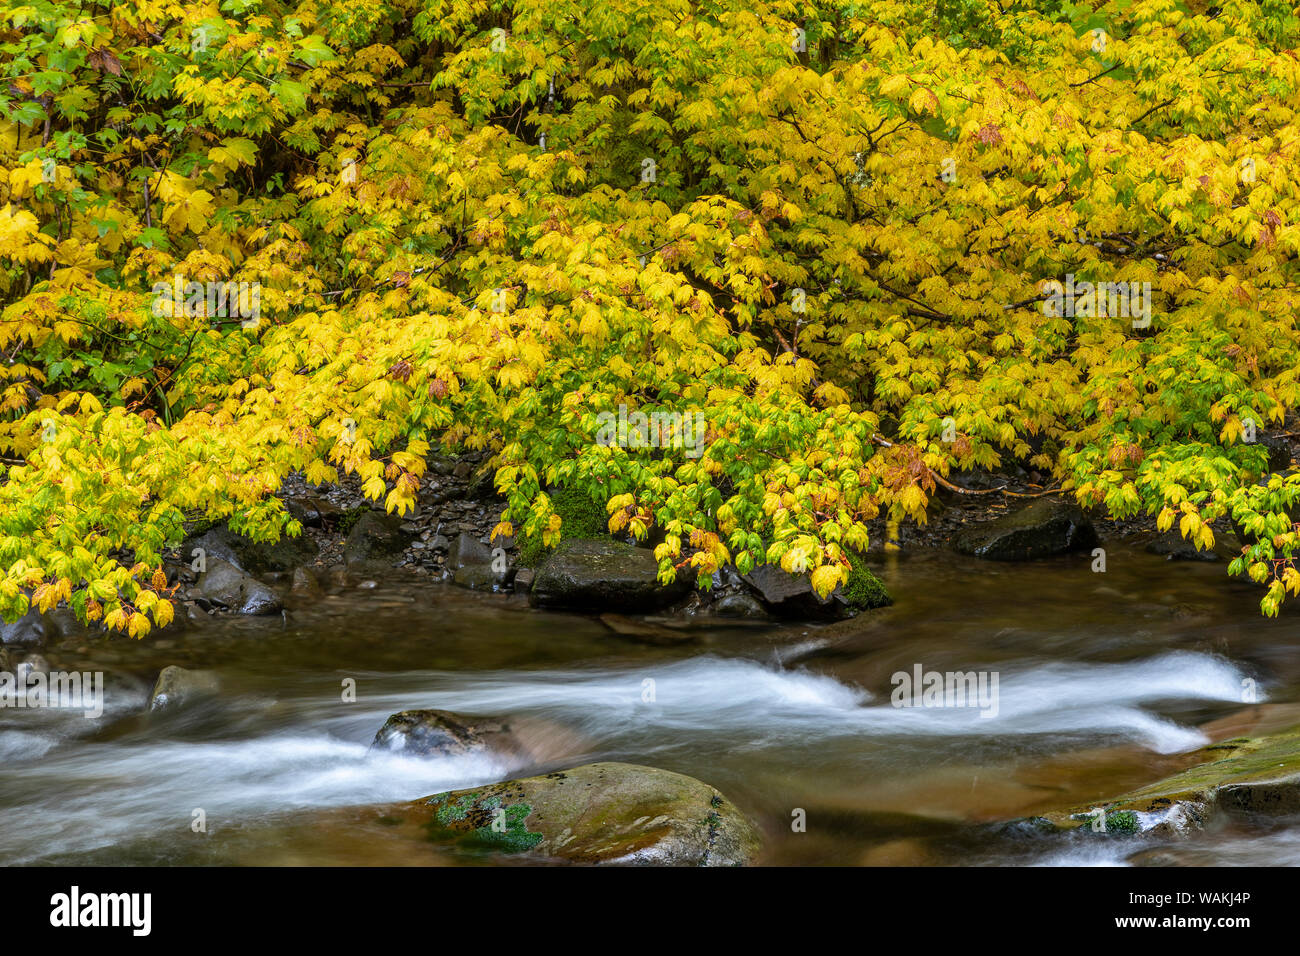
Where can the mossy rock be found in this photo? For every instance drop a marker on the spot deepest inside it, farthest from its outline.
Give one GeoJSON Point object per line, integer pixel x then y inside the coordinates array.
{"type": "Point", "coordinates": [598, 813]}
{"type": "Point", "coordinates": [580, 517]}
{"type": "Point", "coordinates": [1245, 776]}
{"type": "Point", "coordinates": [792, 595]}
{"type": "Point", "coordinates": [1040, 530]}
{"type": "Point", "coordinates": [604, 575]}
{"type": "Point", "coordinates": [864, 590]}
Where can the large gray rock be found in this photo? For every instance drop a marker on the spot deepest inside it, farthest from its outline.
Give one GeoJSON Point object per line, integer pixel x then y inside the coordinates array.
{"type": "Point", "coordinates": [439, 733]}
{"type": "Point", "coordinates": [376, 541]}
{"type": "Point", "coordinates": [598, 813]}
{"type": "Point", "coordinates": [252, 557]}
{"type": "Point", "coordinates": [32, 628]}
{"type": "Point", "coordinates": [1040, 530]}
{"type": "Point", "coordinates": [177, 687]}
{"type": "Point", "coordinates": [601, 574]}
{"type": "Point", "coordinates": [468, 551]}
{"type": "Point", "coordinates": [223, 583]}
{"type": "Point", "coordinates": [792, 595]}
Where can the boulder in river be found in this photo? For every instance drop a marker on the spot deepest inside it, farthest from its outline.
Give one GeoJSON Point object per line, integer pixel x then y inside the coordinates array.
{"type": "Point", "coordinates": [375, 542]}
{"type": "Point", "coordinates": [600, 574]}
{"type": "Point", "coordinates": [1040, 530]}
{"type": "Point", "coordinates": [1175, 547]}
{"type": "Point", "coordinates": [223, 583]}
{"type": "Point", "coordinates": [177, 686]}
{"type": "Point", "coordinates": [441, 733]}
{"type": "Point", "coordinates": [597, 813]}
{"type": "Point", "coordinates": [1238, 777]}
{"type": "Point", "coordinates": [32, 628]}
{"type": "Point", "coordinates": [518, 741]}
{"type": "Point", "coordinates": [792, 595]}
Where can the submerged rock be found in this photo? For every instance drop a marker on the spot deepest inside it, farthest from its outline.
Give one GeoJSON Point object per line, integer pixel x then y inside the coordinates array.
{"type": "Point", "coordinates": [598, 813]}
{"type": "Point", "coordinates": [177, 686]}
{"type": "Point", "coordinates": [223, 583]}
{"type": "Point", "coordinates": [739, 605]}
{"type": "Point", "coordinates": [596, 574]}
{"type": "Point", "coordinates": [1042, 529]}
{"type": "Point", "coordinates": [1243, 776]}
{"type": "Point", "coordinates": [645, 632]}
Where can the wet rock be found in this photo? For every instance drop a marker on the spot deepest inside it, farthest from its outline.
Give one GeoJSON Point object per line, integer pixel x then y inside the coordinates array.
{"type": "Point", "coordinates": [305, 582]}
{"type": "Point", "coordinates": [598, 574]}
{"type": "Point", "coordinates": [611, 813]}
{"type": "Point", "coordinates": [1235, 778]}
{"type": "Point", "coordinates": [33, 628]}
{"type": "Point", "coordinates": [523, 580]}
{"type": "Point", "coordinates": [224, 584]}
{"type": "Point", "coordinates": [313, 512]}
{"type": "Point", "coordinates": [739, 605]}
{"type": "Point", "coordinates": [177, 687]}
{"type": "Point", "coordinates": [1160, 856]}
{"type": "Point", "coordinates": [29, 665]}
{"type": "Point", "coordinates": [249, 556]}
{"type": "Point", "coordinates": [481, 577]}
{"type": "Point", "coordinates": [441, 733]}
{"type": "Point", "coordinates": [1039, 530]}
{"type": "Point", "coordinates": [376, 541]}
{"type": "Point", "coordinates": [792, 595]}
{"type": "Point", "coordinates": [645, 632]}
{"type": "Point", "coordinates": [468, 550]}
{"type": "Point", "coordinates": [1177, 548]}
{"type": "Point", "coordinates": [1279, 452]}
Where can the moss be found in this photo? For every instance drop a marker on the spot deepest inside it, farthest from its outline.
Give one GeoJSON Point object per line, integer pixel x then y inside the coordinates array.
{"type": "Point", "coordinates": [580, 517]}
{"type": "Point", "coordinates": [350, 518]}
{"type": "Point", "coordinates": [864, 589]}
{"type": "Point", "coordinates": [473, 820]}
{"type": "Point", "coordinates": [1121, 821]}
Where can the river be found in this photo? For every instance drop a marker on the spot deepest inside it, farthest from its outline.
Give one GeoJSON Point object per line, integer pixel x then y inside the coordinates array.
{"type": "Point", "coordinates": [1105, 682]}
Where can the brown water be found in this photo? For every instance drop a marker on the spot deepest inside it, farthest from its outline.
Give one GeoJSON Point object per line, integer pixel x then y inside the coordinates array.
{"type": "Point", "coordinates": [1105, 681]}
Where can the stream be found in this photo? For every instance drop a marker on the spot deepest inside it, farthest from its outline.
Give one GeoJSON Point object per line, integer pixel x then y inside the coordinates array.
{"type": "Point", "coordinates": [1105, 681]}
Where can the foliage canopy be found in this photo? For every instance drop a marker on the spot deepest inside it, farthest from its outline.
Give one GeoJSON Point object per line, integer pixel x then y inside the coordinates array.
{"type": "Point", "coordinates": [822, 226]}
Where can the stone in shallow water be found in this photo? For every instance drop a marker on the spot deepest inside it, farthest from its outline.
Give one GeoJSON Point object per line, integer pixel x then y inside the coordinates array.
{"type": "Point", "coordinates": [442, 733]}
{"type": "Point", "coordinates": [223, 583]}
{"type": "Point", "coordinates": [595, 574]}
{"type": "Point", "coordinates": [598, 813]}
{"type": "Point", "coordinates": [1042, 529]}
{"type": "Point", "coordinates": [1238, 777]}
{"type": "Point", "coordinates": [177, 686]}
{"type": "Point", "coordinates": [32, 628]}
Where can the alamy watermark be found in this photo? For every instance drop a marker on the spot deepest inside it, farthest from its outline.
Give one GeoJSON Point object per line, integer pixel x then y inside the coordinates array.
{"type": "Point", "coordinates": [214, 300]}
{"type": "Point", "coordinates": [66, 690]}
{"type": "Point", "coordinates": [1126, 300]}
{"type": "Point", "coordinates": [677, 430]}
{"type": "Point", "coordinates": [922, 688]}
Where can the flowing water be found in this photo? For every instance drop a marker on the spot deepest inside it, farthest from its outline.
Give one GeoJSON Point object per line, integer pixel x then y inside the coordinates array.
{"type": "Point", "coordinates": [1104, 682]}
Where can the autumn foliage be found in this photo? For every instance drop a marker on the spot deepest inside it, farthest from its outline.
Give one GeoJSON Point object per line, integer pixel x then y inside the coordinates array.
{"type": "Point", "coordinates": [823, 227]}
